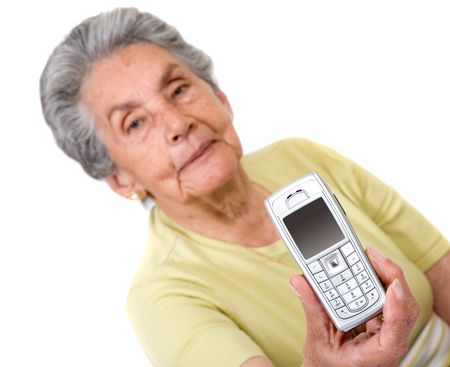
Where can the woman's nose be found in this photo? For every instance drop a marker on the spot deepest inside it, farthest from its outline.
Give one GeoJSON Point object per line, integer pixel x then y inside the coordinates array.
{"type": "Point", "coordinates": [176, 137]}
{"type": "Point", "coordinates": [178, 126]}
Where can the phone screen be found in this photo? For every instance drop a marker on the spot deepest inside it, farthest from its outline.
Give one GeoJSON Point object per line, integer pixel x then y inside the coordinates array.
{"type": "Point", "coordinates": [313, 228]}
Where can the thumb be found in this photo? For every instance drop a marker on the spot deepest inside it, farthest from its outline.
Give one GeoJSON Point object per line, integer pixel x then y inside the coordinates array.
{"type": "Point", "coordinates": [315, 313]}
{"type": "Point", "coordinates": [302, 288]}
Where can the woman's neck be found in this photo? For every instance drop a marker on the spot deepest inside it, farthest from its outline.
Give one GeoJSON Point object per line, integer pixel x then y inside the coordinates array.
{"type": "Point", "coordinates": [235, 213]}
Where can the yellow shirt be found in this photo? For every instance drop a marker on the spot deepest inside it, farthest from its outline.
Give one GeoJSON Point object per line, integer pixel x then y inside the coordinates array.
{"type": "Point", "coordinates": [197, 301]}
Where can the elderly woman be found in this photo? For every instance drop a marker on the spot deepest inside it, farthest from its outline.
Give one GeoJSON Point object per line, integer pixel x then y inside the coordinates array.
{"type": "Point", "coordinates": [137, 106]}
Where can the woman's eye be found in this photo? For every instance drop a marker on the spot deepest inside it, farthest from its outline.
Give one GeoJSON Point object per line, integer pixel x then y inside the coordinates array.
{"type": "Point", "coordinates": [180, 90]}
{"type": "Point", "coordinates": [135, 124]}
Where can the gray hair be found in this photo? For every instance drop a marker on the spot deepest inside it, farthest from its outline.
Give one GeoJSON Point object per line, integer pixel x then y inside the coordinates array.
{"type": "Point", "coordinates": [68, 65]}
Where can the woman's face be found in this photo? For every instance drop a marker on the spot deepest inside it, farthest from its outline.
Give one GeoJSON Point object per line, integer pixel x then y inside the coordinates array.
{"type": "Point", "coordinates": [167, 130]}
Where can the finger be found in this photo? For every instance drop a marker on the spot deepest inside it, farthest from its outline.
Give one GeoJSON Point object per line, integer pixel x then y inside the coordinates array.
{"type": "Point", "coordinates": [395, 330]}
{"type": "Point", "coordinates": [386, 269]}
{"type": "Point", "coordinates": [304, 290]}
{"type": "Point", "coordinates": [388, 272]}
{"type": "Point", "coordinates": [374, 325]}
{"type": "Point", "coordinates": [360, 338]}
{"type": "Point", "coordinates": [400, 310]}
{"type": "Point", "coordinates": [317, 319]}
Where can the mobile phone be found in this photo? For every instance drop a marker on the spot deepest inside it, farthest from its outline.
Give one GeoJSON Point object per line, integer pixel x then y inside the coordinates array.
{"type": "Point", "coordinates": [315, 229]}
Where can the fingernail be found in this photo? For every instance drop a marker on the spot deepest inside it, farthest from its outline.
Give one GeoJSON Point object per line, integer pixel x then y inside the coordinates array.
{"type": "Point", "coordinates": [398, 290]}
{"type": "Point", "coordinates": [373, 251]}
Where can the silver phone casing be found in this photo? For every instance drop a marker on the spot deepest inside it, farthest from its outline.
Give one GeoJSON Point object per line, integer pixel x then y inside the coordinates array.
{"type": "Point", "coordinates": [308, 189]}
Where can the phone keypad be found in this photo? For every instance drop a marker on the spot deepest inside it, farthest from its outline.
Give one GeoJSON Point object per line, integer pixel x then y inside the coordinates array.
{"type": "Point", "coordinates": [345, 283]}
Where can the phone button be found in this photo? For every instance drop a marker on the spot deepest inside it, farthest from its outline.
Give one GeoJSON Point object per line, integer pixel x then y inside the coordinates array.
{"type": "Point", "coordinates": [315, 267]}
{"type": "Point", "coordinates": [367, 286]}
{"type": "Point", "coordinates": [326, 285]}
{"type": "Point", "coordinates": [358, 304]}
{"type": "Point", "coordinates": [353, 295]}
{"type": "Point", "coordinates": [337, 302]}
{"type": "Point", "coordinates": [334, 263]}
{"type": "Point", "coordinates": [372, 296]}
{"type": "Point", "coordinates": [347, 249]}
{"type": "Point", "coordinates": [357, 268]}
{"type": "Point", "coordinates": [342, 278]}
{"type": "Point", "coordinates": [353, 258]}
{"type": "Point", "coordinates": [339, 204]}
{"type": "Point", "coordinates": [347, 286]}
{"type": "Point", "coordinates": [362, 277]}
{"type": "Point", "coordinates": [343, 313]}
{"type": "Point", "coordinates": [331, 294]}
{"type": "Point", "coordinates": [320, 277]}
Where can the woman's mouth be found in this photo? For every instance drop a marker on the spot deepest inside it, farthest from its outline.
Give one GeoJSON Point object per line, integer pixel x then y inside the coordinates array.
{"type": "Point", "coordinates": [199, 153]}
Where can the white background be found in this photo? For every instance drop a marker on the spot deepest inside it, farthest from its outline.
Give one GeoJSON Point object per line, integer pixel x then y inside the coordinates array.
{"type": "Point", "coordinates": [370, 79]}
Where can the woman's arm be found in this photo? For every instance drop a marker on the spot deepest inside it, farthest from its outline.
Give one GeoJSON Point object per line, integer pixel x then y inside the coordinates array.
{"type": "Point", "coordinates": [439, 278]}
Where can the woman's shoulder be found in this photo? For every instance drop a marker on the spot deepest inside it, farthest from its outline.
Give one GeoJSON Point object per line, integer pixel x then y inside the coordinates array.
{"type": "Point", "coordinates": [279, 146]}
{"type": "Point", "coordinates": [287, 159]}
{"type": "Point", "coordinates": [292, 148]}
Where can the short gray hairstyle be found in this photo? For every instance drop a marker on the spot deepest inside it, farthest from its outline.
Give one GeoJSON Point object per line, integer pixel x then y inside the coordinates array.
{"type": "Point", "coordinates": [93, 39]}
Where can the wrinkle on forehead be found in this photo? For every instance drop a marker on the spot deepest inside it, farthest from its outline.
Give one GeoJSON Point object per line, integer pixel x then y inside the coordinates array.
{"type": "Point", "coordinates": [129, 104]}
{"type": "Point", "coordinates": [96, 97]}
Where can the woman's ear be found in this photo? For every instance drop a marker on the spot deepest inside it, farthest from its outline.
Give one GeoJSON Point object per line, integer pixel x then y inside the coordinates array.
{"type": "Point", "coordinates": [122, 184]}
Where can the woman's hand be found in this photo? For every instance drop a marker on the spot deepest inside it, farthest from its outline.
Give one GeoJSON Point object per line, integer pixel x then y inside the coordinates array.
{"type": "Point", "coordinates": [380, 342]}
